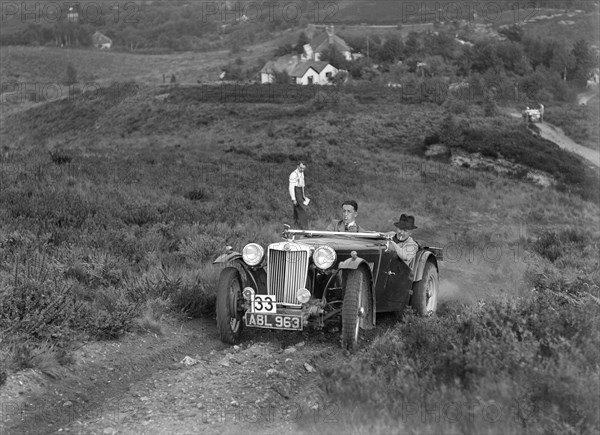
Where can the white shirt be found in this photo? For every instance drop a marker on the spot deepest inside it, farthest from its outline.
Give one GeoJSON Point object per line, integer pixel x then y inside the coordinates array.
{"type": "Point", "coordinates": [296, 180]}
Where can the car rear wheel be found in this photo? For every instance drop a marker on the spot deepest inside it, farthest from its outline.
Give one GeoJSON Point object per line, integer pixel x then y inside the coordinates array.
{"type": "Point", "coordinates": [425, 292]}
{"type": "Point", "coordinates": [356, 307]}
{"type": "Point", "coordinates": [229, 309]}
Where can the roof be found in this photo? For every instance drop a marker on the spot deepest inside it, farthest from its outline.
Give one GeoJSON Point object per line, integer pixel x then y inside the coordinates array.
{"type": "Point", "coordinates": [321, 43]}
{"type": "Point", "coordinates": [284, 63]}
{"type": "Point", "coordinates": [99, 38]}
{"type": "Point", "coordinates": [302, 67]}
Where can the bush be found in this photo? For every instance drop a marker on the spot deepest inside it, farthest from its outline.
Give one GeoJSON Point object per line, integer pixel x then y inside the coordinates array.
{"type": "Point", "coordinates": [195, 194]}
{"type": "Point", "coordinates": [552, 245]}
{"type": "Point", "coordinates": [535, 351]}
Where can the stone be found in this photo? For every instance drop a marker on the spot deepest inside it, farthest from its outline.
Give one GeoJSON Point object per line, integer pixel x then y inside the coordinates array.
{"type": "Point", "coordinates": [309, 368]}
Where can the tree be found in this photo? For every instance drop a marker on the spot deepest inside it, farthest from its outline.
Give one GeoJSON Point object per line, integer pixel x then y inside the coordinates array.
{"type": "Point", "coordinates": [71, 74]}
{"type": "Point", "coordinates": [302, 41]}
{"type": "Point", "coordinates": [334, 57]}
{"type": "Point", "coordinates": [513, 33]}
{"type": "Point", "coordinates": [513, 57]}
{"type": "Point", "coordinates": [282, 50]}
{"type": "Point", "coordinates": [536, 51]}
{"type": "Point", "coordinates": [392, 50]}
{"type": "Point", "coordinates": [485, 57]}
{"type": "Point", "coordinates": [282, 77]}
{"type": "Point", "coordinates": [584, 60]}
{"type": "Point", "coordinates": [450, 131]}
{"type": "Point", "coordinates": [412, 45]}
{"type": "Point", "coordinates": [562, 60]}
{"type": "Point", "coordinates": [436, 66]}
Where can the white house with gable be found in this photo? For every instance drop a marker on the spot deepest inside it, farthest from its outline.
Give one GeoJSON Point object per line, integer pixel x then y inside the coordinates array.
{"type": "Point", "coordinates": [313, 73]}
{"type": "Point", "coordinates": [101, 41]}
{"type": "Point", "coordinates": [307, 72]}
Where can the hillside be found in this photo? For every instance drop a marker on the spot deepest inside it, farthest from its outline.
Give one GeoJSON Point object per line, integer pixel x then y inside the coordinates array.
{"type": "Point", "coordinates": [115, 206]}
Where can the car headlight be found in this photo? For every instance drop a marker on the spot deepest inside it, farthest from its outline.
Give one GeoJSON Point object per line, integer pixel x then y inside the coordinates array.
{"type": "Point", "coordinates": [253, 254]}
{"type": "Point", "coordinates": [303, 295]}
{"type": "Point", "coordinates": [324, 257]}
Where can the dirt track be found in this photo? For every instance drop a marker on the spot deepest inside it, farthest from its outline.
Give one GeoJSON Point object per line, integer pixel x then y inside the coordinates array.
{"type": "Point", "coordinates": [556, 135]}
{"type": "Point", "coordinates": [268, 384]}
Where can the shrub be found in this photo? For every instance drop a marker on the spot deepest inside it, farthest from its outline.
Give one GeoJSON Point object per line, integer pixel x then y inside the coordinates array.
{"type": "Point", "coordinates": [60, 157]}
{"type": "Point", "coordinates": [432, 139]}
{"type": "Point", "coordinates": [534, 351]}
{"type": "Point", "coordinates": [195, 194]}
{"type": "Point", "coordinates": [38, 309]}
{"type": "Point", "coordinates": [552, 245]}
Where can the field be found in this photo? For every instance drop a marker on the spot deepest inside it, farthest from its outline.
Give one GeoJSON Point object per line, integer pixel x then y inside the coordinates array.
{"type": "Point", "coordinates": [48, 65]}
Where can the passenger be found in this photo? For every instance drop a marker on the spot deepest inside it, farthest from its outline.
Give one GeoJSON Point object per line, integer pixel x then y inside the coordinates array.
{"type": "Point", "coordinates": [403, 244]}
{"type": "Point", "coordinates": [348, 222]}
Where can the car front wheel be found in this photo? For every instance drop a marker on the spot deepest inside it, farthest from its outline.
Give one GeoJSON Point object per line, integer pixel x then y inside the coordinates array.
{"type": "Point", "coordinates": [425, 292]}
{"type": "Point", "coordinates": [356, 307]}
{"type": "Point", "coordinates": [229, 310]}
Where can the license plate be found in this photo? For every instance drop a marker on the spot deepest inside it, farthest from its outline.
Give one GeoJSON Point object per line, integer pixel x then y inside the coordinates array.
{"type": "Point", "coordinates": [264, 304]}
{"type": "Point", "coordinates": [274, 321]}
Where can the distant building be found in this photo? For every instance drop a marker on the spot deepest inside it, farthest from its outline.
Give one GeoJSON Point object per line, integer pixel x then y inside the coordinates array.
{"type": "Point", "coordinates": [313, 73]}
{"type": "Point", "coordinates": [285, 63]}
{"type": "Point", "coordinates": [72, 15]}
{"type": "Point", "coordinates": [301, 72]}
{"type": "Point", "coordinates": [322, 42]}
{"type": "Point", "coordinates": [101, 41]}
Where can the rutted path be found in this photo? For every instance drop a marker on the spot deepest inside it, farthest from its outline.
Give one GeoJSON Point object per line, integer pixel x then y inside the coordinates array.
{"type": "Point", "coordinates": [555, 134]}
{"type": "Point", "coordinates": [267, 384]}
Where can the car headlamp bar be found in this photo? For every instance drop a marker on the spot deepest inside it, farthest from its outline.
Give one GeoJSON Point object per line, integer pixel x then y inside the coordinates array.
{"type": "Point", "coordinates": [369, 235]}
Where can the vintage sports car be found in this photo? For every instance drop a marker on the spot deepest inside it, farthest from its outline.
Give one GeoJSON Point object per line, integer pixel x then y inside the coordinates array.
{"type": "Point", "coordinates": [312, 277]}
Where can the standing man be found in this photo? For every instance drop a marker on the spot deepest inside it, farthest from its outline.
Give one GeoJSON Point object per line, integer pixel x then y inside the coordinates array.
{"type": "Point", "coordinates": [296, 189]}
{"type": "Point", "coordinates": [402, 242]}
{"type": "Point", "coordinates": [541, 112]}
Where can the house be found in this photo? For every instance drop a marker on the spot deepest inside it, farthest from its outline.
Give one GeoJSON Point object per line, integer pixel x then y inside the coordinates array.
{"type": "Point", "coordinates": [305, 72]}
{"type": "Point", "coordinates": [72, 15]}
{"type": "Point", "coordinates": [313, 73]}
{"type": "Point", "coordinates": [283, 64]}
{"type": "Point", "coordinates": [323, 42]}
{"type": "Point", "coordinates": [101, 41]}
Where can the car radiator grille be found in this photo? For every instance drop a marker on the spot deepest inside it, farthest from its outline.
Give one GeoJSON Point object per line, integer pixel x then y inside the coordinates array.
{"type": "Point", "coordinates": [286, 274]}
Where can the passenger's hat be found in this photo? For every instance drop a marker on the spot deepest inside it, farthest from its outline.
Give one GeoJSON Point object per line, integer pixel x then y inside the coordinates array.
{"type": "Point", "coordinates": [406, 222]}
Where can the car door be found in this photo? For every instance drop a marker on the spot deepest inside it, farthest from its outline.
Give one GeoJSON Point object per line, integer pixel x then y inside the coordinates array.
{"type": "Point", "coordinates": [393, 289]}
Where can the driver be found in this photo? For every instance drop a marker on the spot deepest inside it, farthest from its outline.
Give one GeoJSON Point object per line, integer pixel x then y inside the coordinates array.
{"type": "Point", "coordinates": [348, 222]}
{"type": "Point", "coordinates": [403, 244]}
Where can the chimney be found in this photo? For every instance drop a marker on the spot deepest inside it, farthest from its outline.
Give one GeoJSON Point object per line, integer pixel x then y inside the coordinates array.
{"type": "Point", "coordinates": [329, 30]}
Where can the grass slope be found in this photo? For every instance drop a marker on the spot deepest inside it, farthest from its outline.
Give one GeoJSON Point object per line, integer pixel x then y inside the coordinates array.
{"type": "Point", "coordinates": [114, 207]}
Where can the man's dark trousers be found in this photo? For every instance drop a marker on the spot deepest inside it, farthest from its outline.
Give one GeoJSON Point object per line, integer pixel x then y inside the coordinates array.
{"type": "Point", "coordinates": [300, 213]}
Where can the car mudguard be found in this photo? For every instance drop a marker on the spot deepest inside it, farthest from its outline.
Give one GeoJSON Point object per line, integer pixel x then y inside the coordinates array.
{"type": "Point", "coordinates": [234, 259]}
{"type": "Point", "coordinates": [227, 257]}
{"type": "Point", "coordinates": [353, 264]}
{"type": "Point", "coordinates": [416, 272]}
